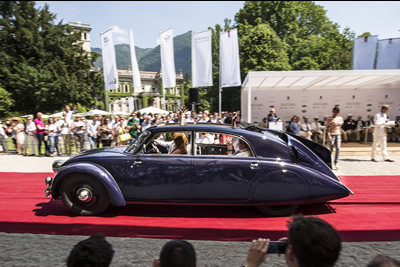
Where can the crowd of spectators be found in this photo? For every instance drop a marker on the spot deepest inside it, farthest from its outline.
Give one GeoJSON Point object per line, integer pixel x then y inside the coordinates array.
{"type": "Point", "coordinates": [311, 242]}
{"type": "Point", "coordinates": [73, 133]}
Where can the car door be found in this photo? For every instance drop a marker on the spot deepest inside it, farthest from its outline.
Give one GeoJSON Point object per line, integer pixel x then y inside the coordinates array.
{"type": "Point", "coordinates": [223, 178]}
{"type": "Point", "coordinates": [159, 177]}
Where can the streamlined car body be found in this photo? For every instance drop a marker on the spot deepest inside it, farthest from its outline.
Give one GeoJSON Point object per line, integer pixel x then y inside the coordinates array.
{"type": "Point", "coordinates": [276, 172]}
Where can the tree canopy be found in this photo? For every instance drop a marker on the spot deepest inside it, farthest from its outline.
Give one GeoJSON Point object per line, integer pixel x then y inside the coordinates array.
{"type": "Point", "coordinates": [283, 35]}
{"type": "Point", "coordinates": [42, 64]}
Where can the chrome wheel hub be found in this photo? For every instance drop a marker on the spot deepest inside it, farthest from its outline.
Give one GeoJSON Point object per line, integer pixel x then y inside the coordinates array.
{"type": "Point", "coordinates": [84, 195]}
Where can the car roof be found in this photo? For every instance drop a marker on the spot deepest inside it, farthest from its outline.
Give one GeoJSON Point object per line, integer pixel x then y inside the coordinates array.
{"type": "Point", "coordinates": [209, 127]}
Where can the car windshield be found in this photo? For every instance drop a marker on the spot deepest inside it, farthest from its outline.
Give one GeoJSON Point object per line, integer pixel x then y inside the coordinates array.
{"type": "Point", "coordinates": [134, 146]}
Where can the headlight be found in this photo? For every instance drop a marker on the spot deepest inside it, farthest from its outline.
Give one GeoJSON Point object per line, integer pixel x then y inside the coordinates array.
{"type": "Point", "coordinates": [48, 180]}
{"type": "Point", "coordinates": [57, 165]}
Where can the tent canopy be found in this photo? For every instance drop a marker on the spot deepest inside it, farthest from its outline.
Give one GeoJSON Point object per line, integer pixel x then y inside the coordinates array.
{"type": "Point", "coordinates": [269, 81]}
{"type": "Point", "coordinates": [95, 111]}
{"type": "Point", "coordinates": [321, 79]}
{"type": "Point", "coordinates": [152, 110]}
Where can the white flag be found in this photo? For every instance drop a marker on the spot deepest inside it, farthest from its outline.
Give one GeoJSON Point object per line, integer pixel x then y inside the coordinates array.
{"type": "Point", "coordinates": [137, 84]}
{"type": "Point", "coordinates": [167, 59]}
{"type": "Point", "coordinates": [109, 63]}
{"type": "Point", "coordinates": [389, 54]}
{"type": "Point", "coordinates": [201, 59]}
{"type": "Point", "coordinates": [229, 65]}
{"type": "Point", "coordinates": [364, 52]}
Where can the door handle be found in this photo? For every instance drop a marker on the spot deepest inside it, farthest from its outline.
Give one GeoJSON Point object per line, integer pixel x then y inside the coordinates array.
{"type": "Point", "coordinates": [137, 162]}
{"type": "Point", "coordinates": [254, 165]}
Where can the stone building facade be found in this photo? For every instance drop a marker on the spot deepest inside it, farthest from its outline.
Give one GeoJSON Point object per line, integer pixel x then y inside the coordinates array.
{"type": "Point", "coordinates": [125, 99]}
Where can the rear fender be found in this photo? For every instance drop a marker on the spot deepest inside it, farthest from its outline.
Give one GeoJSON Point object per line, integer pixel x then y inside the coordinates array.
{"type": "Point", "coordinates": [311, 154]}
{"type": "Point", "coordinates": [97, 172]}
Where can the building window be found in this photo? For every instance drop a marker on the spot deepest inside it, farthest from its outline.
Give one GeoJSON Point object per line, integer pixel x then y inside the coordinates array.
{"type": "Point", "coordinates": [178, 91]}
{"type": "Point", "coordinates": [126, 88]}
{"type": "Point", "coordinates": [119, 88]}
{"type": "Point", "coordinates": [84, 36]}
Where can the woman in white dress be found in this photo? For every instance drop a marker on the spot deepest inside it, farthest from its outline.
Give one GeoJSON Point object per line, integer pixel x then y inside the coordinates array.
{"type": "Point", "coordinates": [19, 131]}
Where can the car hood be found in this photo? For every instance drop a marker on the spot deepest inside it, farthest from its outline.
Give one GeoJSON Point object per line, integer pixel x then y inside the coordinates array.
{"type": "Point", "coordinates": [99, 151]}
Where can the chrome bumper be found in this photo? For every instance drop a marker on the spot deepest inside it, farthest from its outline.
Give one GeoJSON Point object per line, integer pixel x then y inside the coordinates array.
{"type": "Point", "coordinates": [48, 181]}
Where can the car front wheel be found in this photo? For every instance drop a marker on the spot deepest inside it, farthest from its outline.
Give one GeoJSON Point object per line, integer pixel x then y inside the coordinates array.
{"type": "Point", "coordinates": [278, 211]}
{"type": "Point", "coordinates": [84, 195]}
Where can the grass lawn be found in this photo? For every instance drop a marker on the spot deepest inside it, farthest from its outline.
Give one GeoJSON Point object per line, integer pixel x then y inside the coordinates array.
{"type": "Point", "coordinates": [13, 149]}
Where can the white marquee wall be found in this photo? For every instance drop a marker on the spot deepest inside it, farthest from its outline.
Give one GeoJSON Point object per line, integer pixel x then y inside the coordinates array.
{"type": "Point", "coordinates": [310, 103]}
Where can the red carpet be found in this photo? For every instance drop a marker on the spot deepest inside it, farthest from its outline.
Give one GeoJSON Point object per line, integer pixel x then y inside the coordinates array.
{"type": "Point", "coordinates": [372, 214]}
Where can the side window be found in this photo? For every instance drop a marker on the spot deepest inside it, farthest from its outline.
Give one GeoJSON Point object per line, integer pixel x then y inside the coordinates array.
{"type": "Point", "coordinates": [169, 143]}
{"type": "Point", "coordinates": [212, 143]}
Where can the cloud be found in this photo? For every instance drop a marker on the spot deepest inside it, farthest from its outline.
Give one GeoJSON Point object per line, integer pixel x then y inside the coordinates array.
{"type": "Point", "coordinates": [120, 35]}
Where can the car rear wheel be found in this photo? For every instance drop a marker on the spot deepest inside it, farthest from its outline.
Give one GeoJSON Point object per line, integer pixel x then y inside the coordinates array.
{"type": "Point", "coordinates": [278, 211]}
{"type": "Point", "coordinates": [84, 195]}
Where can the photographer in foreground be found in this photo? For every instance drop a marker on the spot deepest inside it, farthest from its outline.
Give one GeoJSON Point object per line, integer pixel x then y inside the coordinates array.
{"type": "Point", "coordinates": [311, 242]}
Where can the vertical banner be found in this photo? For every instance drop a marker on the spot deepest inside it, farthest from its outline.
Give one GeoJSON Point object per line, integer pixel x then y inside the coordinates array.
{"type": "Point", "coordinates": [201, 59]}
{"type": "Point", "coordinates": [131, 105]}
{"type": "Point", "coordinates": [389, 54]}
{"type": "Point", "coordinates": [229, 66]}
{"type": "Point", "coordinates": [364, 51]}
{"type": "Point", "coordinates": [167, 59]}
{"type": "Point", "coordinates": [137, 84]}
{"type": "Point", "coordinates": [109, 62]}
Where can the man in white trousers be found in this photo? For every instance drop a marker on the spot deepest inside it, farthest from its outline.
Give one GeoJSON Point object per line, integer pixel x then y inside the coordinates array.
{"type": "Point", "coordinates": [379, 134]}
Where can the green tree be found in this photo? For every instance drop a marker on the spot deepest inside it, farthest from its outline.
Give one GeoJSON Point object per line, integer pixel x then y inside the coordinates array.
{"type": "Point", "coordinates": [310, 39]}
{"type": "Point", "coordinates": [261, 49]}
{"type": "Point", "coordinates": [43, 64]}
{"type": "Point", "coordinates": [6, 102]}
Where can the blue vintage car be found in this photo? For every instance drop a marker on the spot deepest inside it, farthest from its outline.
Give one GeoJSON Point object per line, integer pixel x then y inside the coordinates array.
{"type": "Point", "coordinates": [218, 164]}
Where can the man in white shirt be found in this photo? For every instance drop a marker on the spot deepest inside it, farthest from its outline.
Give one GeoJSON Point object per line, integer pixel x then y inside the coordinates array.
{"type": "Point", "coordinates": [69, 113]}
{"type": "Point", "coordinates": [379, 134]}
{"type": "Point", "coordinates": [78, 128]}
{"type": "Point", "coordinates": [92, 127]}
{"type": "Point", "coordinates": [31, 132]}
{"type": "Point", "coordinates": [3, 139]}
{"type": "Point", "coordinates": [316, 130]}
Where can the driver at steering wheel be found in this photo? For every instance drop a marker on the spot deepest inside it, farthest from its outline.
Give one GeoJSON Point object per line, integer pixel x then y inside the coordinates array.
{"type": "Point", "coordinates": [177, 146]}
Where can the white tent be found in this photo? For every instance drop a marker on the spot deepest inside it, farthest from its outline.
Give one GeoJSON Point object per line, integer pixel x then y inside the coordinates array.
{"type": "Point", "coordinates": [94, 112]}
{"type": "Point", "coordinates": [58, 114]}
{"type": "Point", "coordinates": [314, 92]}
{"type": "Point", "coordinates": [44, 116]}
{"type": "Point", "coordinates": [152, 110]}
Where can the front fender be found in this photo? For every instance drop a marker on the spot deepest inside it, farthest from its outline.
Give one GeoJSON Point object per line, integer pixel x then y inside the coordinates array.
{"type": "Point", "coordinates": [95, 170]}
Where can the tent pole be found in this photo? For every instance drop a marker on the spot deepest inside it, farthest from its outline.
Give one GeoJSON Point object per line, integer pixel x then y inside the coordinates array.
{"type": "Point", "coordinates": [249, 105]}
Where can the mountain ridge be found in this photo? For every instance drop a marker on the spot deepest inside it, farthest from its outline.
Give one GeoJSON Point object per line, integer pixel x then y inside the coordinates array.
{"type": "Point", "coordinates": [149, 58]}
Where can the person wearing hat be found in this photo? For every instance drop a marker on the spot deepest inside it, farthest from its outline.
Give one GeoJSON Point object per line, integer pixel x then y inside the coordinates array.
{"type": "Point", "coordinates": [316, 130]}
{"type": "Point", "coordinates": [19, 131]}
{"type": "Point", "coordinates": [379, 135]}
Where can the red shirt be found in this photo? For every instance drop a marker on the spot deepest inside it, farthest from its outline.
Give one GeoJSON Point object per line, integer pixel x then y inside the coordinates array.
{"type": "Point", "coordinates": [41, 123]}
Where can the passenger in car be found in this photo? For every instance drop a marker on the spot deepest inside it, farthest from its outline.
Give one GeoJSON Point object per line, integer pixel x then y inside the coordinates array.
{"type": "Point", "coordinates": [239, 146]}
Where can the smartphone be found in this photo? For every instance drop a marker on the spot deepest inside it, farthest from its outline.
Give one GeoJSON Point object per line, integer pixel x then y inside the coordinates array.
{"type": "Point", "coordinates": [277, 247]}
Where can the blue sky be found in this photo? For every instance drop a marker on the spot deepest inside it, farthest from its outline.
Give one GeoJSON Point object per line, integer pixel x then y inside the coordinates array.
{"type": "Point", "coordinates": [148, 19]}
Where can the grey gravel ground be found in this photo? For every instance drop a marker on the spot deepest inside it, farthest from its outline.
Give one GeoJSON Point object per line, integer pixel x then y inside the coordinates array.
{"type": "Point", "coordinates": [52, 250]}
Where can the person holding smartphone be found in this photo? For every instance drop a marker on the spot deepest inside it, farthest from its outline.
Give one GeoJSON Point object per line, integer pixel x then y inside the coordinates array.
{"type": "Point", "coordinates": [311, 242]}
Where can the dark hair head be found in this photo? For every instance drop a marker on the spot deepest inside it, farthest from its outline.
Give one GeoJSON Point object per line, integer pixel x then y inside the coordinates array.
{"type": "Point", "coordinates": [178, 253]}
{"type": "Point", "coordinates": [336, 110]}
{"type": "Point", "coordinates": [383, 261]}
{"type": "Point", "coordinates": [93, 251]}
{"type": "Point", "coordinates": [314, 241]}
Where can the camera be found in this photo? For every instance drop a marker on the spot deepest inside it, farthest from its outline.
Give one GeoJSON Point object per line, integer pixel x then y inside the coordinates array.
{"type": "Point", "coordinates": [277, 247]}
